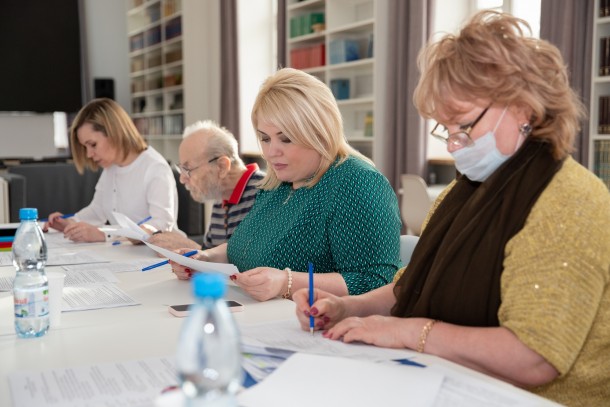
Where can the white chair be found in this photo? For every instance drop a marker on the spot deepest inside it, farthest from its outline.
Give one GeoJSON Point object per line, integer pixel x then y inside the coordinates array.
{"type": "Point", "coordinates": [415, 202]}
{"type": "Point", "coordinates": [407, 245]}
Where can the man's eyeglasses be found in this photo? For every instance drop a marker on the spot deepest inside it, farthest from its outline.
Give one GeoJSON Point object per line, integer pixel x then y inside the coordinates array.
{"type": "Point", "coordinates": [182, 170]}
{"type": "Point", "coordinates": [460, 138]}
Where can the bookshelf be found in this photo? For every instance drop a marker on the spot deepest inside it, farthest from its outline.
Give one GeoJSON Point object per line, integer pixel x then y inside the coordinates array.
{"type": "Point", "coordinates": [599, 128]}
{"type": "Point", "coordinates": [156, 72]}
{"type": "Point", "coordinates": [334, 40]}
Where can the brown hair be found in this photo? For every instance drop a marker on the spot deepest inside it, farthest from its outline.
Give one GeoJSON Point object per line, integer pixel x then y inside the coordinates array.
{"type": "Point", "coordinates": [108, 117]}
{"type": "Point", "coordinates": [491, 59]}
{"type": "Point", "coordinates": [305, 110]}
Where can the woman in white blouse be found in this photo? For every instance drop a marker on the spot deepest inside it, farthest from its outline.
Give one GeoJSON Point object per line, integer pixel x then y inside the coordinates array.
{"type": "Point", "coordinates": [136, 180]}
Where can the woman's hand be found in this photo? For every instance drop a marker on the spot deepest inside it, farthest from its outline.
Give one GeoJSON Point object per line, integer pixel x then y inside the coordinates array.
{"type": "Point", "coordinates": [56, 222]}
{"type": "Point", "coordinates": [262, 283]}
{"type": "Point", "coordinates": [82, 232]}
{"type": "Point", "coordinates": [183, 272]}
{"type": "Point", "coordinates": [387, 332]}
{"type": "Point", "coordinates": [327, 309]}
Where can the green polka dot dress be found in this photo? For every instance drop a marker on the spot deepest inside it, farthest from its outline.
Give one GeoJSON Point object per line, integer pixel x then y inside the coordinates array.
{"type": "Point", "coordinates": [347, 223]}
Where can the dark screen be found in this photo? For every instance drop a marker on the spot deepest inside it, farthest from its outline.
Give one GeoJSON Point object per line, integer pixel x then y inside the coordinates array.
{"type": "Point", "coordinates": [40, 68]}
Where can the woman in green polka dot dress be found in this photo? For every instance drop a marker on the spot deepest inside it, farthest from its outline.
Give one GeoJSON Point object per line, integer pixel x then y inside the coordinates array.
{"type": "Point", "coordinates": [321, 201]}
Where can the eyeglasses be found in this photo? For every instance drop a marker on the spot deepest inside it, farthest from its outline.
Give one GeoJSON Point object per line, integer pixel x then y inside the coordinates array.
{"type": "Point", "coordinates": [460, 138]}
{"type": "Point", "coordinates": [182, 170]}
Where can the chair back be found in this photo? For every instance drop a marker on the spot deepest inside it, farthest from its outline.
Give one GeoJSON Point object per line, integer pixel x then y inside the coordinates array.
{"type": "Point", "coordinates": [415, 202]}
{"type": "Point", "coordinates": [407, 245]}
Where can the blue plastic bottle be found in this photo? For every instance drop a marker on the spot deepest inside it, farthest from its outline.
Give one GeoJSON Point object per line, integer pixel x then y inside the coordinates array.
{"type": "Point", "coordinates": [208, 360]}
{"type": "Point", "coordinates": [30, 287]}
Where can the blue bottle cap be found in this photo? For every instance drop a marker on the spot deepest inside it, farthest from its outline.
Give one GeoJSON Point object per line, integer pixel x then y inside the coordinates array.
{"type": "Point", "coordinates": [28, 213]}
{"type": "Point", "coordinates": [212, 285]}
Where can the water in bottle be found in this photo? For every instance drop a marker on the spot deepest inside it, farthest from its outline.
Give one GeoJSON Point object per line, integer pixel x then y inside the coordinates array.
{"type": "Point", "coordinates": [30, 287]}
{"type": "Point", "coordinates": [208, 360]}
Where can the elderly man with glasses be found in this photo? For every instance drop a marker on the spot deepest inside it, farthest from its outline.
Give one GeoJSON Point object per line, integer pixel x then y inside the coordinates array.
{"type": "Point", "coordinates": [211, 169]}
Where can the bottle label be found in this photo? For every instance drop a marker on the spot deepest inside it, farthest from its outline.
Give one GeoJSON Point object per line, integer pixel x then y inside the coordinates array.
{"type": "Point", "coordinates": [32, 303]}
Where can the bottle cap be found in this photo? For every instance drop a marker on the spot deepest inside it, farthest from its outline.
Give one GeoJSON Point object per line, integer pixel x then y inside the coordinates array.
{"type": "Point", "coordinates": [212, 285]}
{"type": "Point", "coordinates": [28, 213]}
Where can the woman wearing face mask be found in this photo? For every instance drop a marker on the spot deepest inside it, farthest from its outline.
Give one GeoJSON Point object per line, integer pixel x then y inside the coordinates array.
{"type": "Point", "coordinates": [511, 274]}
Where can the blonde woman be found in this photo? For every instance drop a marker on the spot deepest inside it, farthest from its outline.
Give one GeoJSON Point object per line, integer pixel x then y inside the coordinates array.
{"type": "Point", "coordinates": [321, 201]}
{"type": "Point", "coordinates": [136, 180]}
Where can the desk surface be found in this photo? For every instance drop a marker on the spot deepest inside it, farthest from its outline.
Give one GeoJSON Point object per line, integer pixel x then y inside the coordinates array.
{"type": "Point", "coordinates": [136, 332]}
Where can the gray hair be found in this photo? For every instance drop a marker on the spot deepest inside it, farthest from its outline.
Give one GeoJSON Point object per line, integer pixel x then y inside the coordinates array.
{"type": "Point", "coordinates": [220, 141]}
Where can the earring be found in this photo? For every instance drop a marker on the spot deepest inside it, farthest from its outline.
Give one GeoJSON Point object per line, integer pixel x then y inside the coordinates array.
{"type": "Point", "coordinates": [525, 129]}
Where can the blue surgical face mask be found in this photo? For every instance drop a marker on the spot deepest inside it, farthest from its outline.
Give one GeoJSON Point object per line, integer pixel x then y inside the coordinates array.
{"type": "Point", "coordinates": [482, 158]}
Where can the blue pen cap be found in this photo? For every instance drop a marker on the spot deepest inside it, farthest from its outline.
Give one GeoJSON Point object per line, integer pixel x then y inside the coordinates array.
{"type": "Point", "coordinates": [28, 214]}
{"type": "Point", "coordinates": [210, 285]}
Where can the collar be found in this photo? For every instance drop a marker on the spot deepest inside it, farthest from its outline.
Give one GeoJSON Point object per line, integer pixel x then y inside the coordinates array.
{"type": "Point", "coordinates": [240, 187]}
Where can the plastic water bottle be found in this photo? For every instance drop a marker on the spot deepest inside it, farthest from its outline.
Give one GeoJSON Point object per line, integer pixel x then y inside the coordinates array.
{"type": "Point", "coordinates": [30, 287]}
{"type": "Point", "coordinates": [208, 360]}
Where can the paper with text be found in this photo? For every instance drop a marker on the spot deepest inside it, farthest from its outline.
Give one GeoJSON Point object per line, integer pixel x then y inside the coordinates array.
{"type": "Point", "coordinates": [95, 297]}
{"type": "Point", "coordinates": [127, 228]}
{"type": "Point", "coordinates": [197, 265]}
{"type": "Point", "coordinates": [128, 383]}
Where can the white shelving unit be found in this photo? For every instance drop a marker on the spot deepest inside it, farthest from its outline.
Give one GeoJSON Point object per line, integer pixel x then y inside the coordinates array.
{"type": "Point", "coordinates": [353, 21]}
{"type": "Point", "coordinates": [156, 71]}
{"type": "Point", "coordinates": [599, 126]}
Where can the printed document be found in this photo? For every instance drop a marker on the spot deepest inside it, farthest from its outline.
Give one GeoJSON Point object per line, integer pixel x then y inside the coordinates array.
{"type": "Point", "coordinates": [198, 265]}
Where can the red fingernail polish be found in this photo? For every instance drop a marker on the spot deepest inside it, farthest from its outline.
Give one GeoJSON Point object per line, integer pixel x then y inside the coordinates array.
{"type": "Point", "coordinates": [326, 319]}
{"type": "Point", "coordinates": [233, 277]}
{"type": "Point", "coordinates": [314, 311]}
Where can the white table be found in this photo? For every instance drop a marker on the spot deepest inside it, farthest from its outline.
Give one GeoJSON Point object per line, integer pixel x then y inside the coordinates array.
{"type": "Point", "coordinates": [139, 332]}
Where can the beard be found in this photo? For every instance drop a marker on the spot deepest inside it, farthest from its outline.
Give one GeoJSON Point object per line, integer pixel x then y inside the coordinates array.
{"type": "Point", "coordinates": [213, 192]}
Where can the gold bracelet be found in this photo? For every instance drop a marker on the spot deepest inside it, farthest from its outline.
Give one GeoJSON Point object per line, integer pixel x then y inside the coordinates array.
{"type": "Point", "coordinates": [424, 335]}
{"type": "Point", "coordinates": [287, 293]}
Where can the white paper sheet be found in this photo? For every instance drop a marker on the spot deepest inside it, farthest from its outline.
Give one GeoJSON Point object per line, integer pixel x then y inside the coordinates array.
{"type": "Point", "coordinates": [60, 258]}
{"type": "Point", "coordinates": [310, 380]}
{"type": "Point", "coordinates": [95, 297]}
{"type": "Point", "coordinates": [128, 383]}
{"type": "Point", "coordinates": [289, 335]}
{"type": "Point", "coordinates": [198, 265]}
{"type": "Point", "coordinates": [115, 267]}
{"type": "Point", "coordinates": [128, 228]}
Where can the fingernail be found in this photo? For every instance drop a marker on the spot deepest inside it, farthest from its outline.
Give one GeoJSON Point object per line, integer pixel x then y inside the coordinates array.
{"type": "Point", "coordinates": [326, 319]}
{"type": "Point", "coordinates": [314, 311]}
{"type": "Point", "coordinates": [325, 334]}
{"type": "Point", "coordinates": [233, 277]}
{"type": "Point", "coordinates": [320, 324]}
{"type": "Point", "coordinates": [188, 270]}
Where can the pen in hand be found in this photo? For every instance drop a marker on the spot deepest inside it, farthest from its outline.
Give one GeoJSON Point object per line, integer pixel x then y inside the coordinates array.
{"type": "Point", "coordinates": [164, 262]}
{"type": "Point", "coordinates": [66, 216]}
{"type": "Point", "coordinates": [310, 270]}
{"type": "Point", "coordinates": [143, 221]}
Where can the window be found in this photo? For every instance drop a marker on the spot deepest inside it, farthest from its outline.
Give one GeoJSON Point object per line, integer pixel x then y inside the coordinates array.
{"type": "Point", "coordinates": [449, 15]}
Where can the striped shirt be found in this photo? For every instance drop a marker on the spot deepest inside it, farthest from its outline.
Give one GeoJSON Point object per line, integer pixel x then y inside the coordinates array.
{"type": "Point", "coordinates": [227, 215]}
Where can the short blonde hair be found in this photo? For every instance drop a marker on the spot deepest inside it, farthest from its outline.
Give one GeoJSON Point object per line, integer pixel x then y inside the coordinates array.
{"type": "Point", "coordinates": [306, 112]}
{"type": "Point", "coordinates": [108, 117]}
{"type": "Point", "coordinates": [491, 59]}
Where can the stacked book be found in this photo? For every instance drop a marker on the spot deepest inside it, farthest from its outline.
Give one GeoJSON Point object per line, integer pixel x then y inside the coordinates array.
{"type": "Point", "coordinates": [601, 160]}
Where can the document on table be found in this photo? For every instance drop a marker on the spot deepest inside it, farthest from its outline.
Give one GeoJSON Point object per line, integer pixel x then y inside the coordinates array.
{"type": "Point", "coordinates": [288, 335]}
{"type": "Point", "coordinates": [60, 257]}
{"type": "Point", "coordinates": [198, 265]}
{"type": "Point", "coordinates": [129, 383]}
{"type": "Point", "coordinates": [95, 297]}
{"type": "Point", "coordinates": [115, 267]}
{"type": "Point", "coordinates": [74, 278]}
{"type": "Point", "coordinates": [340, 381]}
{"type": "Point", "coordinates": [56, 240]}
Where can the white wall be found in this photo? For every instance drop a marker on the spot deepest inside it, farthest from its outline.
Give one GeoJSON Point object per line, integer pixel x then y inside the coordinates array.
{"type": "Point", "coordinates": [107, 46]}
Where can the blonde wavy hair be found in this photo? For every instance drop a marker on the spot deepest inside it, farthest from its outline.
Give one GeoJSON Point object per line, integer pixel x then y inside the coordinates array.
{"type": "Point", "coordinates": [108, 117]}
{"type": "Point", "coordinates": [305, 110]}
{"type": "Point", "coordinates": [492, 59]}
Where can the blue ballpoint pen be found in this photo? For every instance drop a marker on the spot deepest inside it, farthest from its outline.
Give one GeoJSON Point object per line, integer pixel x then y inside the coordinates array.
{"type": "Point", "coordinates": [164, 262]}
{"type": "Point", "coordinates": [311, 319]}
{"type": "Point", "coordinates": [144, 220]}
